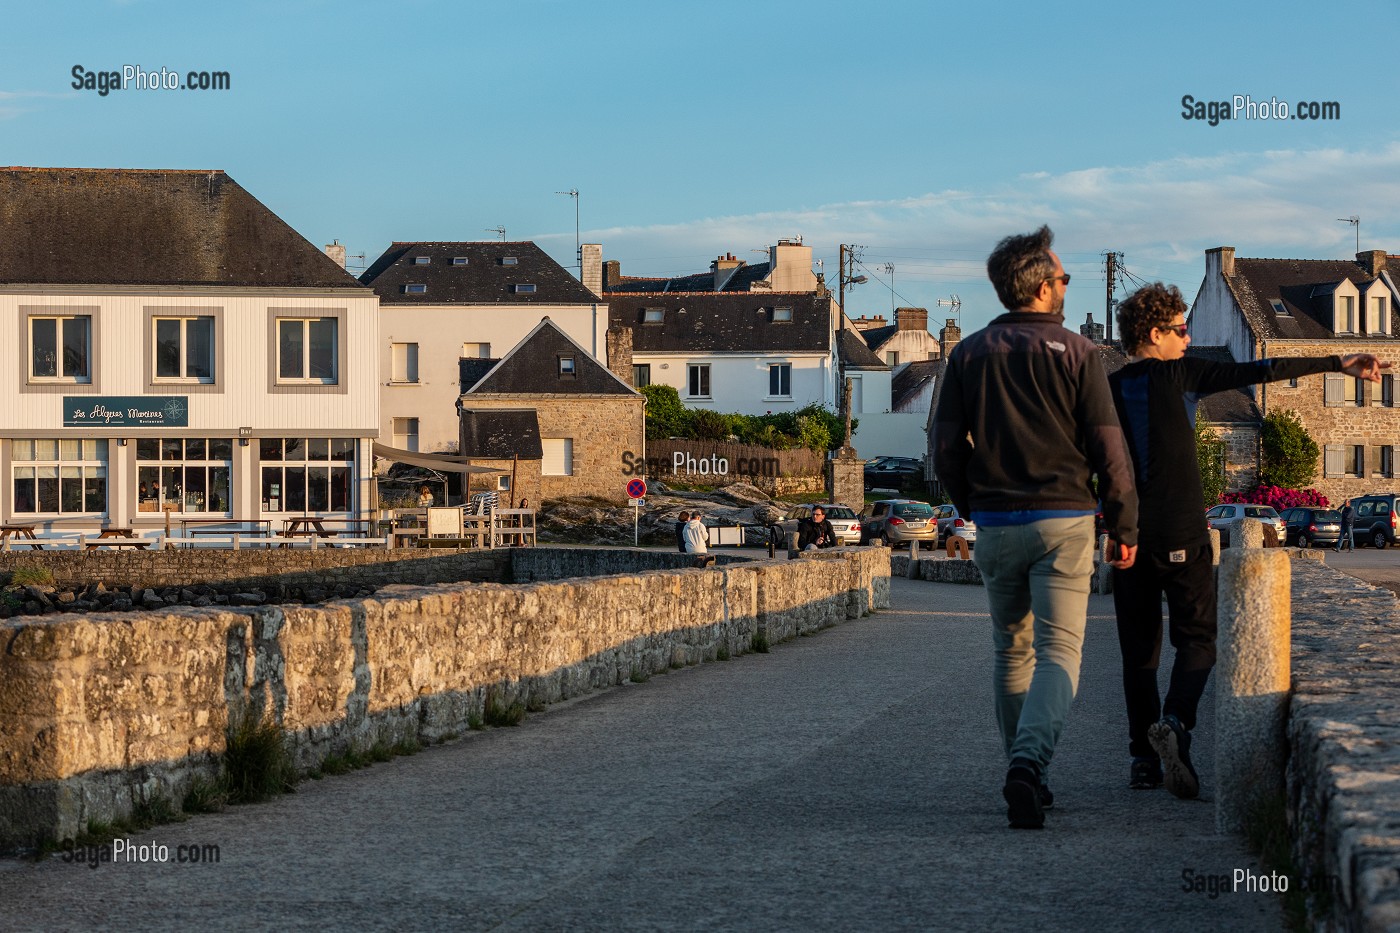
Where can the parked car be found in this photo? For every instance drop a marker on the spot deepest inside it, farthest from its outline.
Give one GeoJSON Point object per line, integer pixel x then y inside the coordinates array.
{"type": "Point", "coordinates": [894, 473]}
{"type": "Point", "coordinates": [1309, 526]}
{"type": "Point", "coordinates": [899, 521]}
{"type": "Point", "coordinates": [844, 520]}
{"type": "Point", "coordinates": [1222, 515]}
{"type": "Point", "coordinates": [951, 523]}
{"type": "Point", "coordinates": [1375, 519]}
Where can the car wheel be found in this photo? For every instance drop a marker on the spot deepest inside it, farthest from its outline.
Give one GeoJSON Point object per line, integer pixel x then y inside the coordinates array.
{"type": "Point", "coordinates": [1379, 540]}
{"type": "Point", "coordinates": [1303, 542]}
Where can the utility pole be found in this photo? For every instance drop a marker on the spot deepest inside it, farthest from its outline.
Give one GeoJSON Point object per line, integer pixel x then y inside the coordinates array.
{"type": "Point", "coordinates": [1111, 266]}
{"type": "Point", "coordinates": [849, 256]}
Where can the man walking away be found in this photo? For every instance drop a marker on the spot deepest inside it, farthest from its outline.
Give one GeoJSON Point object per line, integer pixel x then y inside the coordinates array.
{"type": "Point", "coordinates": [1156, 395]}
{"type": "Point", "coordinates": [1024, 422]}
{"type": "Point", "coordinates": [1348, 535]}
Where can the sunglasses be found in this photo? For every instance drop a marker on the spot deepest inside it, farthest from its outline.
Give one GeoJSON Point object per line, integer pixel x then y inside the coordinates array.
{"type": "Point", "coordinates": [1063, 278]}
{"type": "Point", "coordinates": [1178, 329]}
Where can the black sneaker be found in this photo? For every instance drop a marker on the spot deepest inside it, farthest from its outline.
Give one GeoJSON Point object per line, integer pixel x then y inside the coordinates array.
{"type": "Point", "coordinates": [1022, 795]}
{"type": "Point", "coordinates": [1173, 743]}
{"type": "Point", "coordinates": [1146, 774]}
{"type": "Point", "coordinates": [1047, 797]}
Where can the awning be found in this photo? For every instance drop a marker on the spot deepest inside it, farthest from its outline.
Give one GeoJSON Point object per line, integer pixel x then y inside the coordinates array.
{"type": "Point", "coordinates": [443, 463]}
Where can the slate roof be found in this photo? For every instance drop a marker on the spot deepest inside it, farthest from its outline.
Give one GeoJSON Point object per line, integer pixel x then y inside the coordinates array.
{"type": "Point", "coordinates": [1230, 407]}
{"type": "Point", "coordinates": [83, 226]}
{"type": "Point", "coordinates": [911, 380]}
{"type": "Point", "coordinates": [875, 336]}
{"type": "Point", "coordinates": [470, 369]}
{"type": "Point", "coordinates": [742, 280]}
{"type": "Point", "coordinates": [532, 368]}
{"type": "Point", "coordinates": [1304, 286]}
{"type": "Point", "coordinates": [854, 353]}
{"type": "Point", "coordinates": [720, 322]}
{"type": "Point", "coordinates": [500, 434]}
{"type": "Point", "coordinates": [483, 280]}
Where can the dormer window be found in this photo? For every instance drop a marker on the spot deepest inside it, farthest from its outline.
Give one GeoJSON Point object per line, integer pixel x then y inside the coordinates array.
{"type": "Point", "coordinates": [782, 314]}
{"type": "Point", "coordinates": [1280, 308]}
{"type": "Point", "coordinates": [510, 261]}
{"type": "Point", "coordinates": [459, 260]}
{"type": "Point", "coordinates": [566, 366]}
{"type": "Point", "coordinates": [415, 288]}
{"type": "Point", "coordinates": [653, 315]}
{"type": "Point", "coordinates": [422, 260]}
{"type": "Point", "coordinates": [524, 289]}
{"type": "Point", "coordinates": [1346, 314]}
{"type": "Point", "coordinates": [1378, 316]}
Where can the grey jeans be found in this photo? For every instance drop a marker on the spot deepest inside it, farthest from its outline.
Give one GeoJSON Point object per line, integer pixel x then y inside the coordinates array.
{"type": "Point", "coordinates": [1037, 581]}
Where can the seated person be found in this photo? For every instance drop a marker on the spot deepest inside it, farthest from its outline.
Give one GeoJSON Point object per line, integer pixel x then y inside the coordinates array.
{"type": "Point", "coordinates": [815, 532]}
{"type": "Point", "coordinates": [425, 497]}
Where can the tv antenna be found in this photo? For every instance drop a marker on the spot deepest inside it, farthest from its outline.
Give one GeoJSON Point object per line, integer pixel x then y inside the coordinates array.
{"type": "Point", "coordinates": [888, 269]}
{"type": "Point", "coordinates": [578, 248]}
{"type": "Point", "coordinates": [954, 302]}
{"type": "Point", "coordinates": [499, 230]}
{"type": "Point", "coordinates": [1355, 221]}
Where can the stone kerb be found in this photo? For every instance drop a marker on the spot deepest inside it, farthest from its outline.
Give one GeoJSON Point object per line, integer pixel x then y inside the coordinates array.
{"type": "Point", "coordinates": [1252, 682]}
{"type": "Point", "coordinates": [101, 711]}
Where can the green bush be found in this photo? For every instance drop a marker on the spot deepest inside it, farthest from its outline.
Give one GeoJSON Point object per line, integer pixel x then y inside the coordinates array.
{"type": "Point", "coordinates": [813, 426]}
{"type": "Point", "coordinates": [1210, 459]}
{"type": "Point", "coordinates": [1288, 453]}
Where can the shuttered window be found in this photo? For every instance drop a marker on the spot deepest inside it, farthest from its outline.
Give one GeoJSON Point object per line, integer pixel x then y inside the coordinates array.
{"type": "Point", "coordinates": [558, 456]}
{"type": "Point", "coordinates": [1332, 460]}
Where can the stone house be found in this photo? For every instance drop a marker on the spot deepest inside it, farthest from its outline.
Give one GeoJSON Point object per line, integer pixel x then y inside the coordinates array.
{"type": "Point", "coordinates": [553, 417]}
{"type": "Point", "coordinates": [1257, 308]}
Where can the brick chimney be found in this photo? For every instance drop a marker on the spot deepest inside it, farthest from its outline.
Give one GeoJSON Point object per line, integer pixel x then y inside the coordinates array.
{"type": "Point", "coordinates": [612, 274]}
{"type": "Point", "coordinates": [949, 337]}
{"type": "Point", "coordinates": [619, 340]}
{"type": "Point", "coordinates": [592, 267]}
{"type": "Point", "coordinates": [1220, 261]}
{"type": "Point", "coordinates": [911, 318]}
{"type": "Point", "coordinates": [1372, 260]}
{"type": "Point", "coordinates": [337, 252]}
{"type": "Point", "coordinates": [723, 268]}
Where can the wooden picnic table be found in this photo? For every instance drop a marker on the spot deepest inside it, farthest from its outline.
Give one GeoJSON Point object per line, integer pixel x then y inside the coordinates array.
{"type": "Point", "coordinates": [312, 526]}
{"type": "Point", "coordinates": [24, 534]}
{"type": "Point", "coordinates": [261, 526]}
{"type": "Point", "coordinates": [118, 537]}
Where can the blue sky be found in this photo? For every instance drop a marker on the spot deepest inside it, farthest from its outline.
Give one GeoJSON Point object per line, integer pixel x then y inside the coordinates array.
{"type": "Point", "coordinates": [923, 131]}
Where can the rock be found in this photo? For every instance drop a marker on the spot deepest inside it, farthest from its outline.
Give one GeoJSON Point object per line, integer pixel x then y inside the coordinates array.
{"type": "Point", "coordinates": [67, 597]}
{"type": "Point", "coordinates": [39, 594]}
{"type": "Point", "coordinates": [247, 599]}
{"type": "Point", "coordinates": [150, 600]}
{"type": "Point", "coordinates": [33, 608]}
{"type": "Point", "coordinates": [202, 601]}
{"type": "Point", "coordinates": [121, 604]}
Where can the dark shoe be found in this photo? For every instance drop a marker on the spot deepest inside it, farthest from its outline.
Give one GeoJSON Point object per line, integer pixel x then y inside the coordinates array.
{"type": "Point", "coordinates": [1171, 740]}
{"type": "Point", "coordinates": [1146, 774]}
{"type": "Point", "coordinates": [1022, 795]}
{"type": "Point", "coordinates": [1047, 797]}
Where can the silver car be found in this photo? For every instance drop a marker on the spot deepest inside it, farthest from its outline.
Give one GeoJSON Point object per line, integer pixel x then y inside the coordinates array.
{"type": "Point", "coordinates": [844, 520]}
{"type": "Point", "coordinates": [1222, 515]}
{"type": "Point", "coordinates": [951, 523]}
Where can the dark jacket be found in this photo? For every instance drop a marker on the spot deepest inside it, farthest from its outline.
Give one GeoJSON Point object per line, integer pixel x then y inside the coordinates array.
{"type": "Point", "coordinates": [809, 532]}
{"type": "Point", "coordinates": [1024, 421]}
{"type": "Point", "coordinates": [1348, 517]}
{"type": "Point", "coordinates": [680, 536]}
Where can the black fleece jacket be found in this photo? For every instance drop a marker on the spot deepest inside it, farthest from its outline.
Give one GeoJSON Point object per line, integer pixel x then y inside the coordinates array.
{"type": "Point", "coordinates": [1024, 420]}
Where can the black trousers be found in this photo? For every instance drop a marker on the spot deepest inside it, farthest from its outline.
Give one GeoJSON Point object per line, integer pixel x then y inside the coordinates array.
{"type": "Point", "coordinates": [1189, 585]}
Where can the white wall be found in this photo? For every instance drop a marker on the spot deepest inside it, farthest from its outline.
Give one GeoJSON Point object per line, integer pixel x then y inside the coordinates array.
{"type": "Point", "coordinates": [440, 332]}
{"type": "Point", "coordinates": [896, 434]}
{"type": "Point", "coordinates": [740, 383]}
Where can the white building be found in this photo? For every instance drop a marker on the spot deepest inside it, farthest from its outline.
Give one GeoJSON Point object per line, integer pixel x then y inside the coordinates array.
{"type": "Point", "coordinates": [442, 302]}
{"type": "Point", "coordinates": [179, 349]}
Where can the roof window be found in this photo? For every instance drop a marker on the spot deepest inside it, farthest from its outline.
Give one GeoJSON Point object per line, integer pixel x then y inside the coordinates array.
{"type": "Point", "coordinates": [566, 366]}
{"type": "Point", "coordinates": [459, 260]}
{"type": "Point", "coordinates": [782, 314]}
{"type": "Point", "coordinates": [653, 315]}
{"type": "Point", "coordinates": [1280, 308]}
{"type": "Point", "coordinates": [422, 260]}
{"type": "Point", "coordinates": [509, 261]}
{"type": "Point", "coordinates": [415, 288]}
{"type": "Point", "coordinates": [524, 289]}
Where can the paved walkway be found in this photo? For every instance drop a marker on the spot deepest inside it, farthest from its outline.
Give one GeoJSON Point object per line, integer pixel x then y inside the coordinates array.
{"type": "Point", "coordinates": [847, 781]}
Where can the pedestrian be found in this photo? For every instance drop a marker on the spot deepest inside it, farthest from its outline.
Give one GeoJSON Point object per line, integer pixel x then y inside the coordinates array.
{"type": "Point", "coordinates": [680, 530]}
{"type": "Point", "coordinates": [815, 532]}
{"type": "Point", "coordinates": [1024, 422]}
{"type": "Point", "coordinates": [1155, 395]}
{"type": "Point", "coordinates": [697, 540]}
{"type": "Point", "coordinates": [1348, 535]}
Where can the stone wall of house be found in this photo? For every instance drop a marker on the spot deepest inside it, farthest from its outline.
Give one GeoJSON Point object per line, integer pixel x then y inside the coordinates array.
{"type": "Point", "coordinates": [524, 481]}
{"type": "Point", "coordinates": [103, 711]}
{"type": "Point", "coordinates": [1241, 455]}
{"type": "Point", "coordinates": [1370, 424]}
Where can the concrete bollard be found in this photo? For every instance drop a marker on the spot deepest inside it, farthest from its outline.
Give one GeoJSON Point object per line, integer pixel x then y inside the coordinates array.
{"type": "Point", "coordinates": [1251, 681]}
{"type": "Point", "coordinates": [1214, 546]}
{"type": "Point", "coordinates": [1247, 533]}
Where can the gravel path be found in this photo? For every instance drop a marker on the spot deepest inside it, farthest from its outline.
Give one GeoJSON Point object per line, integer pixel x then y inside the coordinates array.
{"type": "Point", "coordinates": [847, 781]}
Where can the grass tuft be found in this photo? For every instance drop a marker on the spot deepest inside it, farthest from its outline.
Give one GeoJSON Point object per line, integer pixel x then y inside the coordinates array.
{"type": "Point", "coordinates": [498, 714]}
{"type": "Point", "coordinates": [759, 643]}
{"type": "Point", "coordinates": [257, 764]}
{"type": "Point", "coordinates": [639, 676]}
{"type": "Point", "coordinates": [722, 653]}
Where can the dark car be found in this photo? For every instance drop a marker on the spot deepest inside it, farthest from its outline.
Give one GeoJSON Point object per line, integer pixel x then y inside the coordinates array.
{"type": "Point", "coordinates": [1307, 527]}
{"type": "Point", "coordinates": [1375, 519]}
{"type": "Point", "coordinates": [894, 473]}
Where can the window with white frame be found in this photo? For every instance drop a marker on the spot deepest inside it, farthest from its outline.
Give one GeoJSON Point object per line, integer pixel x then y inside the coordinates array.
{"type": "Point", "coordinates": [780, 380]}
{"type": "Point", "coordinates": [503, 482]}
{"type": "Point", "coordinates": [699, 380]}
{"type": "Point", "coordinates": [61, 477]}
{"type": "Point", "coordinates": [525, 289]}
{"type": "Point", "coordinates": [301, 474]}
{"type": "Point", "coordinates": [415, 288]}
{"type": "Point", "coordinates": [405, 362]}
{"type": "Point", "coordinates": [473, 351]}
{"type": "Point", "coordinates": [406, 433]}
{"type": "Point", "coordinates": [422, 260]}
{"type": "Point", "coordinates": [558, 456]}
{"type": "Point", "coordinates": [184, 348]}
{"type": "Point", "coordinates": [653, 315]}
{"type": "Point", "coordinates": [781, 315]}
{"type": "Point", "coordinates": [60, 348]}
{"type": "Point", "coordinates": [307, 350]}
{"type": "Point", "coordinates": [1341, 391]}
{"type": "Point", "coordinates": [1346, 314]}
{"type": "Point", "coordinates": [641, 374]}
{"type": "Point", "coordinates": [182, 474]}
{"type": "Point", "coordinates": [459, 260]}
{"type": "Point", "coordinates": [1378, 322]}
{"type": "Point", "coordinates": [566, 366]}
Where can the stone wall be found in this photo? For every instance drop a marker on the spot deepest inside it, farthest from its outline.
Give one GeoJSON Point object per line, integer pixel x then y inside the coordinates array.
{"type": "Point", "coordinates": [273, 570]}
{"type": "Point", "coordinates": [102, 711]}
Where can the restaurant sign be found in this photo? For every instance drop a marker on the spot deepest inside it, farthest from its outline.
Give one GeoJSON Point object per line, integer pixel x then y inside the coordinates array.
{"type": "Point", "coordinates": [126, 411]}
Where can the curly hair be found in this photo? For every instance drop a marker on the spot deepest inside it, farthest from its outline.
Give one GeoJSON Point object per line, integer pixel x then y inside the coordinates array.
{"type": "Point", "coordinates": [1019, 265]}
{"type": "Point", "coordinates": [1154, 305]}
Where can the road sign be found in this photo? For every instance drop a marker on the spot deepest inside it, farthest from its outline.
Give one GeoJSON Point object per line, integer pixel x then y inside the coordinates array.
{"type": "Point", "coordinates": [636, 488]}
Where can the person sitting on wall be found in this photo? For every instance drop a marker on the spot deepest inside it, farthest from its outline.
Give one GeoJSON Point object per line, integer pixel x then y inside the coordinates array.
{"type": "Point", "coordinates": [425, 497]}
{"type": "Point", "coordinates": [697, 539]}
{"type": "Point", "coordinates": [815, 532]}
{"type": "Point", "coordinates": [680, 530]}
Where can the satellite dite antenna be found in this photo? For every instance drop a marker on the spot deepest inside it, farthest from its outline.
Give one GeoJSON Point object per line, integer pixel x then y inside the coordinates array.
{"type": "Point", "coordinates": [499, 230]}
{"type": "Point", "coordinates": [1355, 222]}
